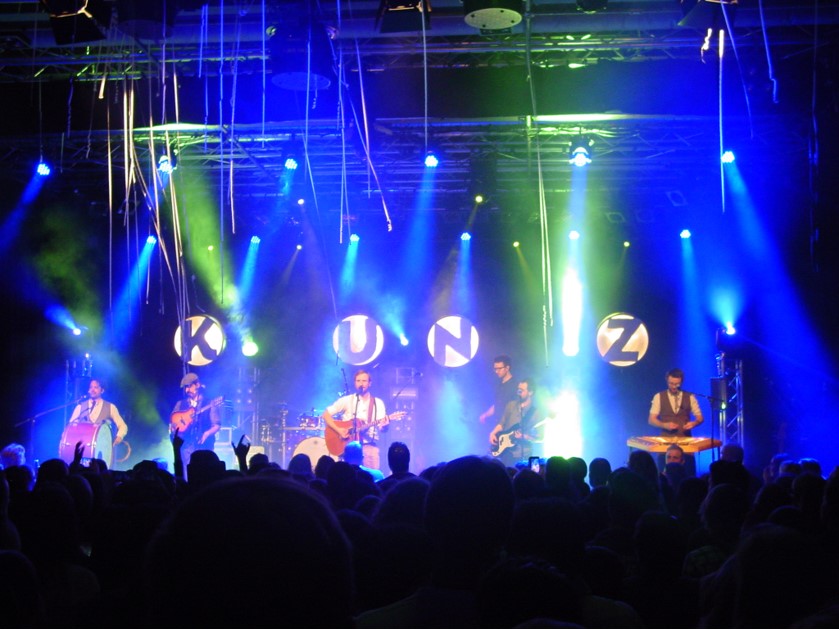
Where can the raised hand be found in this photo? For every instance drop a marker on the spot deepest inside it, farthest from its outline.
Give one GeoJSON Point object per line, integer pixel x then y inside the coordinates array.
{"type": "Point", "coordinates": [177, 441]}
{"type": "Point", "coordinates": [78, 452]}
{"type": "Point", "coordinates": [241, 449]}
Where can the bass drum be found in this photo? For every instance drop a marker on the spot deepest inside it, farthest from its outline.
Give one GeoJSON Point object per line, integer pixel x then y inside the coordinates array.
{"type": "Point", "coordinates": [95, 438]}
{"type": "Point", "coordinates": [315, 448]}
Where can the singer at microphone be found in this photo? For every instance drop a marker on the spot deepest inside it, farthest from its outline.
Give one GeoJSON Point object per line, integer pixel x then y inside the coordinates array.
{"type": "Point", "coordinates": [513, 438]}
{"type": "Point", "coordinates": [357, 417]}
{"type": "Point", "coordinates": [93, 408]}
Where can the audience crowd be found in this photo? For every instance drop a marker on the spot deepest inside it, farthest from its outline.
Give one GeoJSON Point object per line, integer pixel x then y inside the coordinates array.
{"type": "Point", "coordinates": [467, 543]}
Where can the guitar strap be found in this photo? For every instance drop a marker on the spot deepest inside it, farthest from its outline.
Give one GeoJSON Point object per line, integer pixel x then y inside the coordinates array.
{"type": "Point", "coordinates": [371, 414]}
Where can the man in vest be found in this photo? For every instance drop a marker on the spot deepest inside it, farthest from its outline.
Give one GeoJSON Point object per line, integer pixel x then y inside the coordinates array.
{"type": "Point", "coordinates": [98, 411]}
{"type": "Point", "coordinates": [676, 412]}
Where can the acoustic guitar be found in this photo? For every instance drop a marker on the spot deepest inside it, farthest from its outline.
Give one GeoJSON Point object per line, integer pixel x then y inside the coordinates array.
{"type": "Point", "coordinates": [336, 445]}
{"type": "Point", "coordinates": [182, 420]}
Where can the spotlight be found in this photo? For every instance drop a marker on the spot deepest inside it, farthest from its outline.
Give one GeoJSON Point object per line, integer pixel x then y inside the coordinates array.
{"type": "Point", "coordinates": [77, 331]}
{"type": "Point", "coordinates": [353, 238]}
{"type": "Point", "coordinates": [729, 329]}
{"type": "Point", "coordinates": [479, 198]}
{"type": "Point", "coordinates": [301, 56]}
{"type": "Point", "coordinates": [466, 236]}
{"type": "Point", "coordinates": [581, 151]}
{"type": "Point", "coordinates": [78, 21]}
{"type": "Point", "coordinates": [151, 240]}
{"type": "Point", "coordinates": [301, 202]}
{"type": "Point", "coordinates": [493, 15]}
{"type": "Point", "coordinates": [591, 6]}
{"type": "Point", "coordinates": [255, 239]}
{"type": "Point", "coordinates": [573, 235]}
{"type": "Point", "coordinates": [299, 247]}
{"type": "Point", "coordinates": [626, 244]}
{"type": "Point", "coordinates": [685, 234]}
{"type": "Point", "coordinates": [397, 16]}
{"type": "Point", "coordinates": [165, 166]}
{"type": "Point", "coordinates": [43, 169]}
{"type": "Point", "coordinates": [249, 348]}
{"type": "Point", "coordinates": [403, 340]}
{"type": "Point", "coordinates": [431, 160]}
{"type": "Point", "coordinates": [516, 244]}
{"type": "Point", "coordinates": [727, 157]}
{"type": "Point", "coordinates": [290, 164]}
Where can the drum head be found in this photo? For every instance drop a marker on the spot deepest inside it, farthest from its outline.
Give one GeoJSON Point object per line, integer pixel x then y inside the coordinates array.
{"type": "Point", "coordinates": [96, 440]}
{"type": "Point", "coordinates": [315, 448]}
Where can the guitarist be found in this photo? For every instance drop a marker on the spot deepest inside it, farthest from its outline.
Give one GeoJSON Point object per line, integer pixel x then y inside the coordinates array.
{"type": "Point", "coordinates": [365, 410]}
{"type": "Point", "coordinates": [202, 425]}
{"type": "Point", "coordinates": [516, 431]}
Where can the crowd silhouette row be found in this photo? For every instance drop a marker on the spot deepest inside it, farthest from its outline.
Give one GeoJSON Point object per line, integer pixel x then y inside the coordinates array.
{"type": "Point", "coordinates": [467, 543]}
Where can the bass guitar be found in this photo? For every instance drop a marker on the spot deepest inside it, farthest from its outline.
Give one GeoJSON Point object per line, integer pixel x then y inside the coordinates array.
{"type": "Point", "coordinates": [182, 420]}
{"type": "Point", "coordinates": [505, 440]}
{"type": "Point", "coordinates": [336, 444]}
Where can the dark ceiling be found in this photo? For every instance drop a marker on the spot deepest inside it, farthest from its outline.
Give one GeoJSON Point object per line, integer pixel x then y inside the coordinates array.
{"type": "Point", "coordinates": [489, 101]}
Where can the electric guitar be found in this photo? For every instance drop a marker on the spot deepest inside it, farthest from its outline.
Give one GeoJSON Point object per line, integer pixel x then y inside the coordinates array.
{"type": "Point", "coordinates": [182, 420]}
{"type": "Point", "coordinates": [505, 441]}
{"type": "Point", "coordinates": [335, 444]}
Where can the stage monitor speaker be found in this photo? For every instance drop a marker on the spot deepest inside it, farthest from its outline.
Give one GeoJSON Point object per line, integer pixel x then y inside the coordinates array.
{"type": "Point", "coordinates": [719, 394]}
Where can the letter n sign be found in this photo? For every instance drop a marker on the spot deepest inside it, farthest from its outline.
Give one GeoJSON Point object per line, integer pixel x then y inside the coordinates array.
{"type": "Point", "coordinates": [453, 341]}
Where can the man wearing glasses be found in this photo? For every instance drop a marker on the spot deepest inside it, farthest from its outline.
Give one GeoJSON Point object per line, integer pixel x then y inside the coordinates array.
{"type": "Point", "coordinates": [505, 391]}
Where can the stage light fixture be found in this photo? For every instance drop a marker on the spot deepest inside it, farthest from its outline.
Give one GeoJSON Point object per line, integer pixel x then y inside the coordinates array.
{"type": "Point", "coordinates": [431, 160]}
{"type": "Point", "coordinates": [403, 340]}
{"type": "Point", "coordinates": [581, 151]}
{"type": "Point", "coordinates": [466, 236]}
{"type": "Point", "coordinates": [479, 198]}
{"type": "Point", "coordinates": [151, 240]}
{"type": "Point", "coordinates": [684, 234]}
{"type": "Point", "coordinates": [78, 21]}
{"type": "Point", "coordinates": [290, 164]}
{"type": "Point", "coordinates": [398, 16]}
{"type": "Point", "coordinates": [43, 169]}
{"type": "Point", "coordinates": [727, 157]}
{"type": "Point", "coordinates": [591, 6]}
{"type": "Point", "coordinates": [255, 240]}
{"type": "Point", "coordinates": [493, 15]}
{"type": "Point", "coordinates": [165, 164]}
{"type": "Point", "coordinates": [573, 235]}
{"type": "Point", "coordinates": [250, 348]}
{"type": "Point", "coordinates": [708, 14]}
{"type": "Point", "coordinates": [301, 56]}
{"type": "Point", "coordinates": [354, 238]}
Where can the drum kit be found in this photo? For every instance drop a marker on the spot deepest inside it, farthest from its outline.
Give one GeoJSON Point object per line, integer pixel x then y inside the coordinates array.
{"type": "Point", "coordinates": [286, 438]}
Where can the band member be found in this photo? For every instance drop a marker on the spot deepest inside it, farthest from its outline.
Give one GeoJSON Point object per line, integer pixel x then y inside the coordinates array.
{"type": "Point", "coordinates": [505, 390]}
{"type": "Point", "coordinates": [196, 420]}
{"type": "Point", "coordinates": [97, 410]}
{"type": "Point", "coordinates": [362, 417]}
{"type": "Point", "coordinates": [676, 412]}
{"type": "Point", "coordinates": [671, 410]}
{"type": "Point", "coordinates": [513, 437]}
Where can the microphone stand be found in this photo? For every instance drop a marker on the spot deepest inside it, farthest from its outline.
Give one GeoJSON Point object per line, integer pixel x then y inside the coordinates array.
{"type": "Point", "coordinates": [712, 399]}
{"type": "Point", "coordinates": [355, 435]}
{"type": "Point", "coordinates": [32, 420]}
